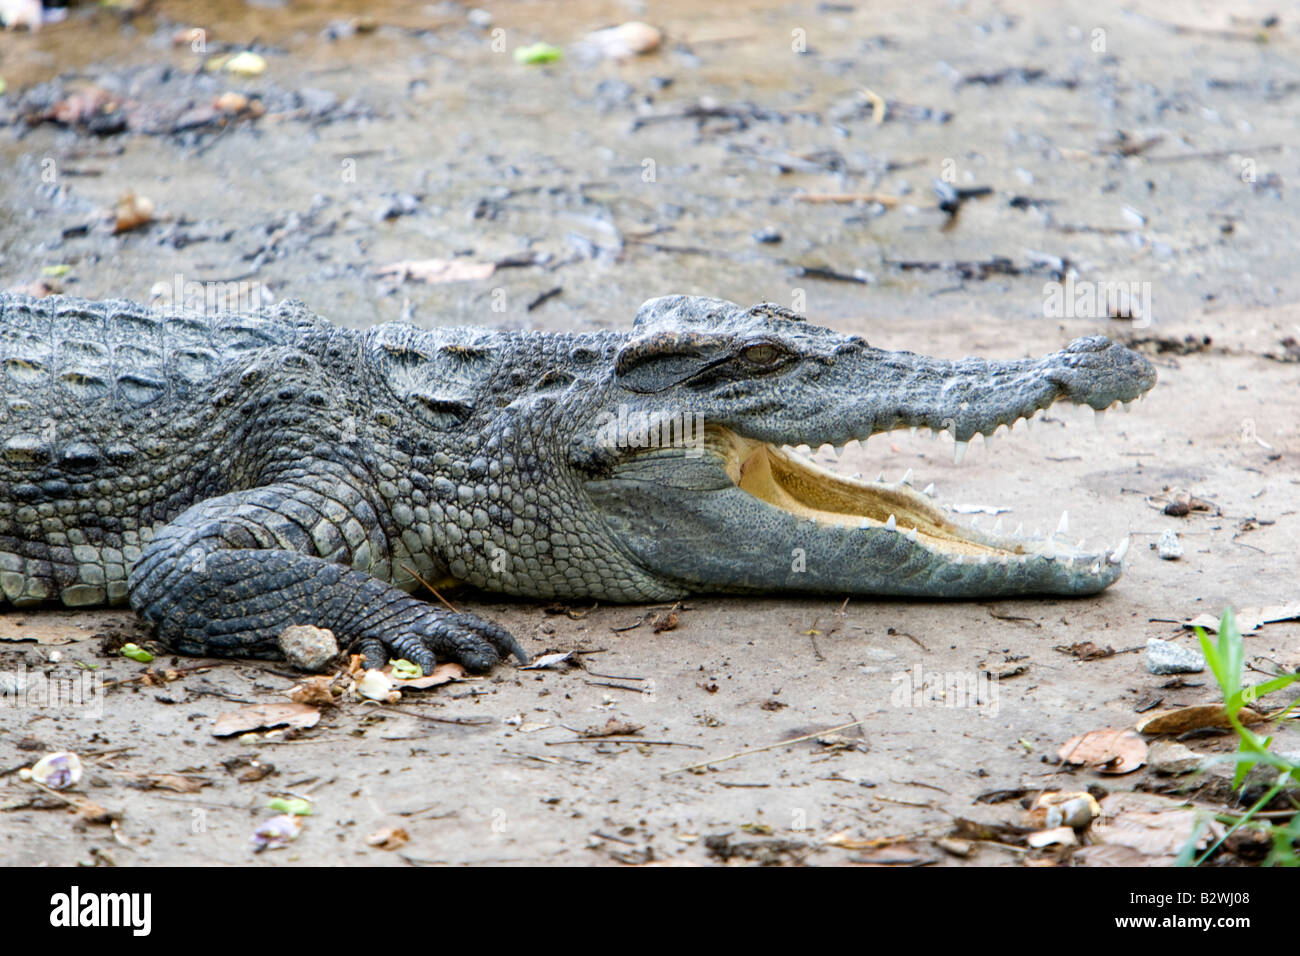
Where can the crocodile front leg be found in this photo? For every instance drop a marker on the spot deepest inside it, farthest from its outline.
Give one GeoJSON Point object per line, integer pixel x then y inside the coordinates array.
{"type": "Point", "coordinates": [227, 576]}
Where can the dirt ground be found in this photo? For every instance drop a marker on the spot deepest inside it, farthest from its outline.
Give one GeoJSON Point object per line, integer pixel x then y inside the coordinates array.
{"type": "Point", "coordinates": [1159, 151]}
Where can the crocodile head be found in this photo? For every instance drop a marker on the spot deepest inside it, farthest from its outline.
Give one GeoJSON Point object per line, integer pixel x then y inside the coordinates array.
{"type": "Point", "coordinates": [689, 459]}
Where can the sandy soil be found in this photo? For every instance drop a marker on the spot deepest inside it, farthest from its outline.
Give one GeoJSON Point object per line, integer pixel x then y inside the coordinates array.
{"type": "Point", "coordinates": [501, 159]}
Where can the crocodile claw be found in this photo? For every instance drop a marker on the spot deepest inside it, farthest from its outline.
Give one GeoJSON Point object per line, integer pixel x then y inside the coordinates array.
{"type": "Point", "coordinates": [471, 641]}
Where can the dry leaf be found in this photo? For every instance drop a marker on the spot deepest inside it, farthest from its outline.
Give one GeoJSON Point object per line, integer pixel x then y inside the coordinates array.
{"type": "Point", "coordinates": [43, 629]}
{"type": "Point", "coordinates": [1086, 651]}
{"type": "Point", "coordinates": [259, 716]}
{"type": "Point", "coordinates": [389, 838]}
{"type": "Point", "coordinates": [313, 692]}
{"type": "Point", "coordinates": [176, 782]}
{"type": "Point", "coordinates": [899, 854]}
{"type": "Point", "coordinates": [1151, 824]}
{"type": "Point", "coordinates": [1107, 854]}
{"type": "Point", "coordinates": [547, 660]}
{"type": "Point", "coordinates": [614, 728]}
{"type": "Point", "coordinates": [1109, 750]}
{"type": "Point", "coordinates": [1249, 619]}
{"type": "Point", "coordinates": [442, 674]}
{"type": "Point", "coordinates": [437, 270]}
{"type": "Point", "coordinates": [1180, 720]}
{"type": "Point", "coordinates": [132, 212]}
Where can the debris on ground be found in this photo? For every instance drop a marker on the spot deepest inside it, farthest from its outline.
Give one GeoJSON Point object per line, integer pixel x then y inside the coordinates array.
{"type": "Point", "coordinates": [1170, 657]}
{"type": "Point", "coordinates": [1111, 750]}
{"type": "Point", "coordinates": [308, 648]}
{"type": "Point", "coordinates": [265, 716]}
{"type": "Point", "coordinates": [1169, 547]}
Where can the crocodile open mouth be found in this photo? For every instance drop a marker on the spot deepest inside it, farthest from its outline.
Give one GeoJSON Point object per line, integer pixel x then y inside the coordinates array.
{"type": "Point", "coordinates": [783, 479]}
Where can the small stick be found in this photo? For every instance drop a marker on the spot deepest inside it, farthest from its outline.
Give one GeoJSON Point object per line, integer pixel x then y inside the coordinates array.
{"type": "Point", "coordinates": [759, 750]}
{"type": "Point", "coordinates": [883, 198]}
{"type": "Point", "coordinates": [412, 572]}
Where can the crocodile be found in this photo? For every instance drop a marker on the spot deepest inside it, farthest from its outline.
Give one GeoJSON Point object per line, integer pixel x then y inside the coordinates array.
{"type": "Point", "coordinates": [234, 474]}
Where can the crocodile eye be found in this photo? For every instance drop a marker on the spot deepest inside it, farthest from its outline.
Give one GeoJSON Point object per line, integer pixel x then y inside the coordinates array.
{"type": "Point", "coordinates": [762, 354]}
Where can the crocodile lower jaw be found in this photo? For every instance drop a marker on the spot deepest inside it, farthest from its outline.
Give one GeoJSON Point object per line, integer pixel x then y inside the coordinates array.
{"type": "Point", "coordinates": [791, 483]}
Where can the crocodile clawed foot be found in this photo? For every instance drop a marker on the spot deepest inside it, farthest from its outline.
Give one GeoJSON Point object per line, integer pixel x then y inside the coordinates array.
{"type": "Point", "coordinates": [471, 641]}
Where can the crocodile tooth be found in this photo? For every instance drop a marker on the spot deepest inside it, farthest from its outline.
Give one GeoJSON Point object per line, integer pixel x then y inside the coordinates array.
{"type": "Point", "coordinates": [1079, 545]}
{"type": "Point", "coordinates": [911, 535]}
{"type": "Point", "coordinates": [911, 432]}
{"type": "Point", "coordinates": [1064, 526]}
{"type": "Point", "coordinates": [975, 521]}
{"type": "Point", "coordinates": [1116, 556]}
{"type": "Point", "coordinates": [803, 450]}
{"type": "Point", "coordinates": [824, 446]}
{"type": "Point", "coordinates": [984, 559]}
{"type": "Point", "coordinates": [907, 478]}
{"type": "Point", "coordinates": [929, 490]}
{"type": "Point", "coordinates": [838, 450]}
{"type": "Point", "coordinates": [988, 441]}
{"type": "Point", "coordinates": [958, 560]}
{"type": "Point", "coordinates": [880, 478]}
{"type": "Point", "coordinates": [1049, 550]}
{"type": "Point", "coordinates": [856, 476]}
{"type": "Point", "coordinates": [1100, 417]}
{"type": "Point", "coordinates": [958, 451]}
{"type": "Point", "coordinates": [1096, 568]}
{"type": "Point", "coordinates": [865, 524]}
{"type": "Point", "coordinates": [891, 524]}
{"type": "Point", "coordinates": [997, 525]}
{"type": "Point", "coordinates": [1127, 406]}
{"type": "Point", "coordinates": [1020, 528]}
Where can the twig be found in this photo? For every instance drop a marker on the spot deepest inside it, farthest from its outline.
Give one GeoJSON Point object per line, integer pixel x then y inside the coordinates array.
{"type": "Point", "coordinates": [413, 573]}
{"type": "Point", "coordinates": [883, 198]}
{"type": "Point", "coordinates": [602, 683]}
{"type": "Point", "coordinates": [759, 750]}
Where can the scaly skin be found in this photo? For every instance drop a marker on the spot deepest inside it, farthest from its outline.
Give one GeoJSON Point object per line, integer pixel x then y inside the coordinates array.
{"type": "Point", "coordinates": [232, 475]}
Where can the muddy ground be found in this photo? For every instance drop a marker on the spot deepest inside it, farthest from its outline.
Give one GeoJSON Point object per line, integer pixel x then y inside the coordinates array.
{"type": "Point", "coordinates": [1152, 144]}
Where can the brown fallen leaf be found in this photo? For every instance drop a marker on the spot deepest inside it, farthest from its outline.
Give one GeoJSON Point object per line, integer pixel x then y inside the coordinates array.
{"type": "Point", "coordinates": [260, 716]}
{"type": "Point", "coordinates": [614, 728]}
{"type": "Point", "coordinates": [1152, 824]}
{"type": "Point", "coordinates": [389, 838]}
{"type": "Point", "coordinates": [436, 270]}
{"type": "Point", "coordinates": [132, 212]}
{"type": "Point", "coordinates": [313, 692]}
{"type": "Point", "coordinates": [1086, 651]}
{"type": "Point", "coordinates": [1180, 720]}
{"type": "Point", "coordinates": [898, 854]}
{"type": "Point", "coordinates": [442, 674]}
{"type": "Point", "coordinates": [1114, 854]}
{"type": "Point", "coordinates": [1109, 750]}
{"type": "Point", "coordinates": [666, 621]}
{"type": "Point", "coordinates": [547, 660]}
{"type": "Point", "coordinates": [82, 105]}
{"type": "Point", "coordinates": [49, 631]}
{"type": "Point", "coordinates": [175, 782]}
{"type": "Point", "coordinates": [1249, 619]}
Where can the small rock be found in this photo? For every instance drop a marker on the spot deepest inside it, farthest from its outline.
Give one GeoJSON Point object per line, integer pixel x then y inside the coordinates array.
{"type": "Point", "coordinates": [308, 648]}
{"type": "Point", "coordinates": [1169, 547]}
{"type": "Point", "coordinates": [1171, 758]}
{"type": "Point", "coordinates": [1166, 657]}
{"type": "Point", "coordinates": [767, 236]}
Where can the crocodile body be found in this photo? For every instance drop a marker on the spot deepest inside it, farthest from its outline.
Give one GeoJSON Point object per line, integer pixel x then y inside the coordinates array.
{"type": "Point", "coordinates": [231, 475]}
